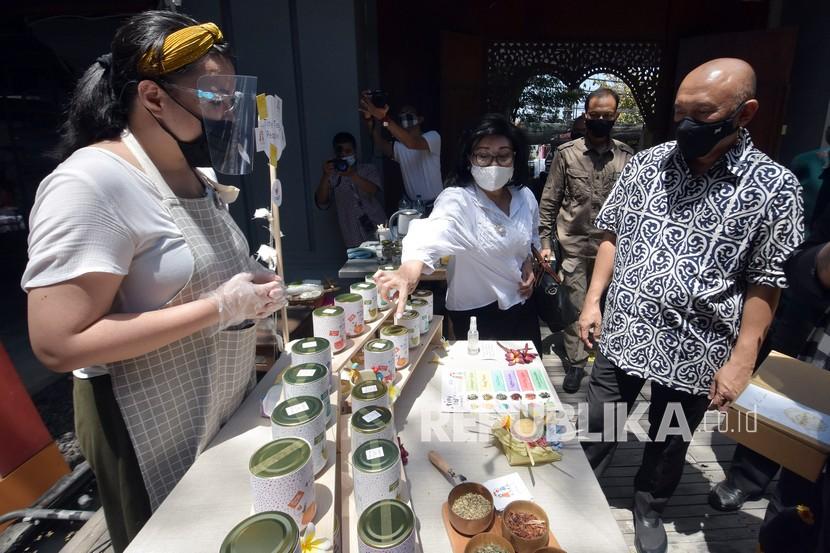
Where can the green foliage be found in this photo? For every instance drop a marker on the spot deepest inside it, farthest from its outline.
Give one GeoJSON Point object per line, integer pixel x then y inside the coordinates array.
{"type": "Point", "coordinates": [544, 100]}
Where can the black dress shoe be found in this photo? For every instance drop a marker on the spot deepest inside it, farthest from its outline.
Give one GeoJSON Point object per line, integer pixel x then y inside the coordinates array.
{"type": "Point", "coordinates": [725, 497]}
{"type": "Point", "coordinates": [649, 534]}
{"type": "Point", "coordinates": [573, 379]}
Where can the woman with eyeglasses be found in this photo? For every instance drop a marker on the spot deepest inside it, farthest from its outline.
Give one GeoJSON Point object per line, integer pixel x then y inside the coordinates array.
{"type": "Point", "coordinates": [486, 220]}
{"type": "Point", "coordinates": [138, 279]}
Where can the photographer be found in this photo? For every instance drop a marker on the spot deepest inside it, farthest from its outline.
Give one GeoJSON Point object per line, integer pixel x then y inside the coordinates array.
{"type": "Point", "coordinates": [417, 152]}
{"type": "Point", "coordinates": [354, 187]}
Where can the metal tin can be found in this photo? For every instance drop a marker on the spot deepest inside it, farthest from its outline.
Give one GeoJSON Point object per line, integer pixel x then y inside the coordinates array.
{"type": "Point", "coordinates": [368, 393]}
{"type": "Point", "coordinates": [379, 357]}
{"type": "Point", "coordinates": [412, 321]}
{"type": "Point", "coordinates": [399, 336]}
{"type": "Point", "coordinates": [311, 350]}
{"type": "Point", "coordinates": [383, 305]}
{"type": "Point", "coordinates": [376, 471]}
{"type": "Point", "coordinates": [386, 526]}
{"type": "Point", "coordinates": [372, 423]}
{"type": "Point", "coordinates": [268, 532]}
{"type": "Point", "coordinates": [282, 478]}
{"type": "Point", "coordinates": [330, 323]}
{"type": "Point", "coordinates": [308, 379]}
{"type": "Point", "coordinates": [427, 296]}
{"type": "Point", "coordinates": [352, 305]}
{"type": "Point", "coordinates": [422, 307]}
{"type": "Point", "coordinates": [302, 416]}
{"type": "Point", "coordinates": [369, 292]}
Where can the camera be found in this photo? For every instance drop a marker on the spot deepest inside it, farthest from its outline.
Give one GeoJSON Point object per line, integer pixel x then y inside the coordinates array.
{"type": "Point", "coordinates": [379, 98]}
{"type": "Point", "coordinates": [340, 165]}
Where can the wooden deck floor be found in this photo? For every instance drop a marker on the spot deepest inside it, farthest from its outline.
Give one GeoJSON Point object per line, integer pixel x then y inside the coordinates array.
{"type": "Point", "coordinates": [692, 525]}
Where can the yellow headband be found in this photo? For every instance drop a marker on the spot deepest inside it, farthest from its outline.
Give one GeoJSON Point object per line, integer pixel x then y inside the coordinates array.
{"type": "Point", "coordinates": [181, 48]}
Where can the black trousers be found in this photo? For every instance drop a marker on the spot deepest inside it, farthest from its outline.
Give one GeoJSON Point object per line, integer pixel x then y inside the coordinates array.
{"type": "Point", "coordinates": [520, 322]}
{"type": "Point", "coordinates": [783, 531]}
{"type": "Point", "coordinates": [662, 465]}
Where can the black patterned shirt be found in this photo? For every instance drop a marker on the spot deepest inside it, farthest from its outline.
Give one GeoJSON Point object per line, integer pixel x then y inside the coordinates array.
{"type": "Point", "coordinates": [687, 247]}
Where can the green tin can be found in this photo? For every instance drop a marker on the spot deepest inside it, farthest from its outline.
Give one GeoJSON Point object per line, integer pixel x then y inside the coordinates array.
{"type": "Point", "coordinates": [282, 478]}
{"type": "Point", "coordinates": [386, 526]}
{"type": "Point", "coordinates": [368, 393]}
{"type": "Point", "coordinates": [268, 532]}
{"type": "Point", "coordinates": [308, 379]}
{"type": "Point", "coordinates": [302, 416]}
{"type": "Point", "coordinates": [371, 423]}
{"type": "Point", "coordinates": [376, 471]}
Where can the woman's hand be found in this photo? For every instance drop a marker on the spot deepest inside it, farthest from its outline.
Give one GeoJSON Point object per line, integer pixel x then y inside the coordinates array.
{"type": "Point", "coordinates": [243, 298]}
{"type": "Point", "coordinates": [395, 286]}
{"type": "Point", "coordinates": [528, 278]}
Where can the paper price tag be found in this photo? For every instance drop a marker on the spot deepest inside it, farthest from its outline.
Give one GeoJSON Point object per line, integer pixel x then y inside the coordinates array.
{"type": "Point", "coordinates": [373, 416]}
{"type": "Point", "coordinates": [276, 192]}
{"type": "Point", "coordinates": [375, 453]}
{"type": "Point", "coordinates": [309, 345]}
{"type": "Point", "coordinates": [305, 372]}
{"type": "Point", "coordinates": [377, 347]}
{"type": "Point", "coordinates": [262, 106]}
{"type": "Point", "coordinates": [369, 389]}
{"type": "Point", "coordinates": [329, 311]}
{"type": "Point", "coordinates": [299, 408]}
{"type": "Point", "coordinates": [260, 139]}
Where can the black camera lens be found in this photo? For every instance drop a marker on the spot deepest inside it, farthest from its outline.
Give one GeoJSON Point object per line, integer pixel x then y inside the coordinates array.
{"type": "Point", "coordinates": [341, 165]}
{"type": "Point", "coordinates": [379, 98]}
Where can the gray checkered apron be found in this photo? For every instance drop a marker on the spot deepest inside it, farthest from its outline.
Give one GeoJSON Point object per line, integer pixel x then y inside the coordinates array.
{"type": "Point", "coordinates": [176, 398]}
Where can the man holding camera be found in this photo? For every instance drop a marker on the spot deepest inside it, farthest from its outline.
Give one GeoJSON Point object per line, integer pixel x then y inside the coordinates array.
{"type": "Point", "coordinates": [417, 152]}
{"type": "Point", "coordinates": [354, 187]}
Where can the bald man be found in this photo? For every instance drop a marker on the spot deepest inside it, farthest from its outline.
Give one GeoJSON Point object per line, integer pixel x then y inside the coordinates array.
{"type": "Point", "coordinates": [696, 232]}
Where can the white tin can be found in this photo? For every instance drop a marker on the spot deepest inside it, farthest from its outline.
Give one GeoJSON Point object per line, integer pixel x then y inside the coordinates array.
{"type": "Point", "coordinates": [271, 531]}
{"type": "Point", "coordinates": [371, 423]}
{"type": "Point", "coordinates": [303, 417]}
{"type": "Point", "coordinates": [282, 478]}
{"type": "Point", "coordinates": [427, 296]}
{"type": "Point", "coordinates": [309, 379]}
{"type": "Point", "coordinates": [411, 319]}
{"type": "Point", "coordinates": [369, 292]}
{"type": "Point", "coordinates": [311, 350]}
{"type": "Point", "coordinates": [379, 357]}
{"type": "Point", "coordinates": [369, 392]}
{"type": "Point", "coordinates": [386, 526]}
{"type": "Point", "coordinates": [422, 307]}
{"type": "Point", "coordinates": [383, 305]}
{"type": "Point", "coordinates": [376, 472]}
{"type": "Point", "coordinates": [330, 323]}
{"type": "Point", "coordinates": [399, 336]}
{"type": "Point", "coordinates": [352, 305]}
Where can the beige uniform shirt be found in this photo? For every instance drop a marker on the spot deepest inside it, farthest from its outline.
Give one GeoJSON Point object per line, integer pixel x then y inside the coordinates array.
{"type": "Point", "coordinates": [580, 180]}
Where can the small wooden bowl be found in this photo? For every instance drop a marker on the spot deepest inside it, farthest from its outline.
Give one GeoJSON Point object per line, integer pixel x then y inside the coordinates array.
{"type": "Point", "coordinates": [475, 526]}
{"type": "Point", "coordinates": [522, 545]}
{"type": "Point", "coordinates": [550, 549]}
{"type": "Point", "coordinates": [488, 539]}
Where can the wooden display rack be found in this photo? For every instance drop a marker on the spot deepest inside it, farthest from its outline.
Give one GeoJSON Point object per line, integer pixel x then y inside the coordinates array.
{"type": "Point", "coordinates": [345, 495]}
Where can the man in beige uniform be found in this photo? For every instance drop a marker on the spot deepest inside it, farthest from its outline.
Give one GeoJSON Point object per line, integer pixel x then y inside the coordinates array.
{"type": "Point", "coordinates": [581, 176]}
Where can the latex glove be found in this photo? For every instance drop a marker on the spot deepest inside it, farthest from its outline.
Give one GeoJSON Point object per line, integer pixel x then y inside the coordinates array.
{"type": "Point", "coordinates": [241, 298]}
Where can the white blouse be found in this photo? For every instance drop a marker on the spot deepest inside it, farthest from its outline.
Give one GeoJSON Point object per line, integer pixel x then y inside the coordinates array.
{"type": "Point", "coordinates": [488, 246]}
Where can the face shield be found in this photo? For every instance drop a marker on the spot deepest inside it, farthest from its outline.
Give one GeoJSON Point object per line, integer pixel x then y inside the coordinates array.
{"type": "Point", "coordinates": [228, 106]}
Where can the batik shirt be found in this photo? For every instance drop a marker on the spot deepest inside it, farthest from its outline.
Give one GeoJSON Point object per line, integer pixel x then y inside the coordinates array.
{"type": "Point", "coordinates": [687, 248]}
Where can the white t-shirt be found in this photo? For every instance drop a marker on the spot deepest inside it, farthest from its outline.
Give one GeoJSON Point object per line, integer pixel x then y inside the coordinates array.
{"type": "Point", "coordinates": [98, 213]}
{"type": "Point", "coordinates": [488, 246]}
{"type": "Point", "coordinates": [421, 169]}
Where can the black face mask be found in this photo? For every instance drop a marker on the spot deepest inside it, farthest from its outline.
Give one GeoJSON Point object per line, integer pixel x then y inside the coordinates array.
{"type": "Point", "coordinates": [599, 128]}
{"type": "Point", "coordinates": [196, 152]}
{"type": "Point", "coordinates": [696, 139]}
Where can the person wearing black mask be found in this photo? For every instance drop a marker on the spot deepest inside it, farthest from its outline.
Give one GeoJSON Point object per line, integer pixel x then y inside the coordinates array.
{"type": "Point", "coordinates": [581, 176]}
{"type": "Point", "coordinates": [697, 233]}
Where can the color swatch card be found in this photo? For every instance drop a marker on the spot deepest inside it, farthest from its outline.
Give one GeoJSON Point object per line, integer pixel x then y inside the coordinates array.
{"type": "Point", "coordinates": [495, 389]}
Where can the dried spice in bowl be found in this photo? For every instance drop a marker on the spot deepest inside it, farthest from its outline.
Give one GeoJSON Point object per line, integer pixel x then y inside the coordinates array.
{"type": "Point", "coordinates": [525, 525]}
{"type": "Point", "coordinates": [490, 548]}
{"type": "Point", "coordinates": [471, 506]}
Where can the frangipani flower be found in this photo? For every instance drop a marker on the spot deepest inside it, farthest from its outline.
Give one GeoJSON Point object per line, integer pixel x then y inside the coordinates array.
{"type": "Point", "coordinates": [310, 543]}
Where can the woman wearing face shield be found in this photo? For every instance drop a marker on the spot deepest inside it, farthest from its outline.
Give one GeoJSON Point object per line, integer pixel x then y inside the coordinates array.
{"type": "Point", "coordinates": [138, 279]}
{"type": "Point", "coordinates": [487, 220]}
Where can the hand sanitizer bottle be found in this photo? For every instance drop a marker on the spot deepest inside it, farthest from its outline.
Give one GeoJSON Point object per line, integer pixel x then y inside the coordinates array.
{"type": "Point", "coordinates": [472, 338]}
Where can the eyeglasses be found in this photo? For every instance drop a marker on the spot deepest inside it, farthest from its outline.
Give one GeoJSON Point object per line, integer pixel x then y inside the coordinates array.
{"type": "Point", "coordinates": [485, 159]}
{"type": "Point", "coordinates": [607, 115]}
{"type": "Point", "coordinates": [229, 100]}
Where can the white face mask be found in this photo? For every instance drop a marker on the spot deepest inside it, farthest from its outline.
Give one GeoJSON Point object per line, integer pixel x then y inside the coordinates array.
{"type": "Point", "coordinates": [492, 177]}
{"type": "Point", "coordinates": [351, 160]}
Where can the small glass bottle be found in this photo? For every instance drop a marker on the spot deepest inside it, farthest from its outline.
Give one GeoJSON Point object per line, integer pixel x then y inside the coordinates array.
{"type": "Point", "coordinates": [472, 338]}
{"type": "Point", "coordinates": [419, 205]}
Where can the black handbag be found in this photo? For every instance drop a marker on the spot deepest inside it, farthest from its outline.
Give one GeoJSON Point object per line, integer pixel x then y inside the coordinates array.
{"type": "Point", "coordinates": [552, 299]}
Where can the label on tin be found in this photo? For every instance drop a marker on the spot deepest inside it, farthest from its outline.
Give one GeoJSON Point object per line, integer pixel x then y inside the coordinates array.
{"type": "Point", "coordinates": [305, 372]}
{"type": "Point", "coordinates": [309, 345]}
{"type": "Point", "coordinates": [299, 408]}
{"type": "Point", "coordinates": [369, 389]}
{"type": "Point", "coordinates": [369, 417]}
{"type": "Point", "coordinates": [375, 453]}
{"type": "Point", "coordinates": [377, 347]}
{"type": "Point", "coordinates": [329, 311]}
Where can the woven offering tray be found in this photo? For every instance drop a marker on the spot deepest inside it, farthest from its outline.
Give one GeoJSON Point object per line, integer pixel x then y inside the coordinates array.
{"type": "Point", "coordinates": [459, 541]}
